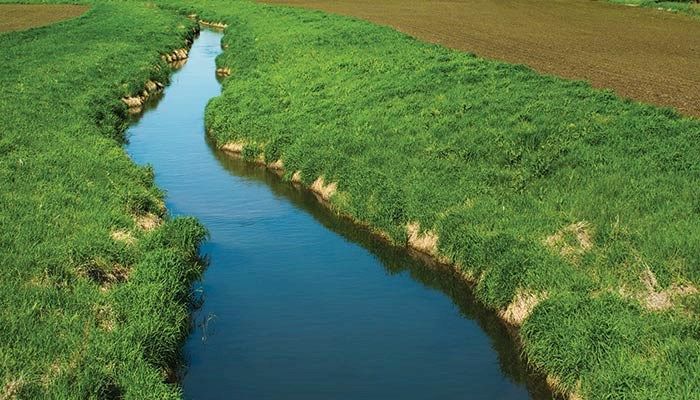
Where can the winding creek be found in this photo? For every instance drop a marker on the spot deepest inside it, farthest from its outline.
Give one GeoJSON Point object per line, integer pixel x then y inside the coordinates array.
{"type": "Point", "coordinates": [298, 303]}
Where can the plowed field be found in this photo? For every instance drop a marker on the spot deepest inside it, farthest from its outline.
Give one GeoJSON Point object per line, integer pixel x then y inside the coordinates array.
{"type": "Point", "coordinates": [644, 54]}
{"type": "Point", "coordinates": [16, 17]}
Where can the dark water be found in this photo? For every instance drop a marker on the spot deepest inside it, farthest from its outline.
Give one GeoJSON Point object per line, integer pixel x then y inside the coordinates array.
{"type": "Point", "coordinates": [300, 304]}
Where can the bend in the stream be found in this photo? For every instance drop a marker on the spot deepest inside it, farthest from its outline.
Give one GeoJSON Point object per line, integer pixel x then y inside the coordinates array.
{"type": "Point", "coordinates": [385, 317]}
{"type": "Point", "coordinates": [395, 260]}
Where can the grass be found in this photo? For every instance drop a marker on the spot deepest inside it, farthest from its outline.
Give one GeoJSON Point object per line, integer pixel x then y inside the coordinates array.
{"type": "Point", "coordinates": [92, 305]}
{"type": "Point", "coordinates": [682, 6]}
{"type": "Point", "coordinates": [533, 184]}
{"type": "Point", "coordinates": [15, 17]}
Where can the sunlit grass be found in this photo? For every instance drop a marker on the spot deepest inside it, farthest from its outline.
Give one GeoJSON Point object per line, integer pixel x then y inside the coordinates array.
{"type": "Point", "coordinates": [86, 313]}
{"type": "Point", "coordinates": [496, 160]}
{"type": "Point", "coordinates": [532, 183]}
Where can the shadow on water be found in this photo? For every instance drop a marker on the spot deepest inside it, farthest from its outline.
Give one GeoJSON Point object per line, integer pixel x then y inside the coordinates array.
{"type": "Point", "coordinates": [397, 260]}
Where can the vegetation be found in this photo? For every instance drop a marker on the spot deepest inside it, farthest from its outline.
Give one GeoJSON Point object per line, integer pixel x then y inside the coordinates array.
{"type": "Point", "coordinates": [93, 306]}
{"type": "Point", "coordinates": [570, 38]}
{"type": "Point", "coordinates": [540, 189]}
{"type": "Point", "coordinates": [691, 7]}
{"type": "Point", "coordinates": [545, 192]}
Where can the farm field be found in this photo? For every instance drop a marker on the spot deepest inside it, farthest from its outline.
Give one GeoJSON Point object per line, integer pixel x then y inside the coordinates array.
{"type": "Point", "coordinates": [640, 53]}
{"type": "Point", "coordinates": [15, 17]}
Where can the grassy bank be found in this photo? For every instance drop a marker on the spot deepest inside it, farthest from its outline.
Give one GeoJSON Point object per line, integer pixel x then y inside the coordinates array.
{"type": "Point", "coordinates": [573, 212]}
{"type": "Point", "coordinates": [95, 278]}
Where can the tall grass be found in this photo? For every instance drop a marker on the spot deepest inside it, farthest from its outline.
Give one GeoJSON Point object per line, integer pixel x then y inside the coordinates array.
{"type": "Point", "coordinates": [493, 158]}
{"type": "Point", "coordinates": [86, 313]}
{"type": "Point", "coordinates": [533, 184]}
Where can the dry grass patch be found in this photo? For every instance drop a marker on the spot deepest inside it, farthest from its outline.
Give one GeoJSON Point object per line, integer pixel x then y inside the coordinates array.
{"type": "Point", "coordinates": [521, 307]}
{"type": "Point", "coordinates": [426, 242]}
{"type": "Point", "coordinates": [277, 165]}
{"type": "Point", "coordinates": [148, 222]}
{"type": "Point", "coordinates": [223, 71]}
{"type": "Point", "coordinates": [556, 386]}
{"type": "Point", "coordinates": [104, 316]}
{"type": "Point", "coordinates": [572, 241]}
{"type": "Point", "coordinates": [104, 275]}
{"type": "Point", "coordinates": [213, 24]}
{"type": "Point", "coordinates": [53, 372]}
{"type": "Point", "coordinates": [235, 148]}
{"type": "Point", "coordinates": [654, 299]}
{"type": "Point", "coordinates": [326, 191]}
{"type": "Point", "coordinates": [122, 235]}
{"type": "Point", "coordinates": [11, 389]}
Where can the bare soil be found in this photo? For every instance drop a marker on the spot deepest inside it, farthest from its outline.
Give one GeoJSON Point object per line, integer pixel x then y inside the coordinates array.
{"type": "Point", "coordinates": [644, 54]}
{"type": "Point", "coordinates": [17, 17]}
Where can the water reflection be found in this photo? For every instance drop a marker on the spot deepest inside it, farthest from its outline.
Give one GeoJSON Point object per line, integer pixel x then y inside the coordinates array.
{"type": "Point", "coordinates": [301, 304]}
{"type": "Point", "coordinates": [396, 260]}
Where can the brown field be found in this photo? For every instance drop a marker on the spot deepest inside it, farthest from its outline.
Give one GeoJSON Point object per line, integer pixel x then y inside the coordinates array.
{"type": "Point", "coordinates": [16, 17]}
{"type": "Point", "coordinates": [644, 54]}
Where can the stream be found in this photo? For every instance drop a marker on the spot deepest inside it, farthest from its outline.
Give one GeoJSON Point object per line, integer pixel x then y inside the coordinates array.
{"type": "Point", "coordinates": [299, 303]}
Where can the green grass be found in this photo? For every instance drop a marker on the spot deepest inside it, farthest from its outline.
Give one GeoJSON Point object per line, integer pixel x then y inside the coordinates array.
{"type": "Point", "coordinates": [494, 158]}
{"type": "Point", "coordinates": [71, 325]}
{"type": "Point", "coordinates": [682, 6]}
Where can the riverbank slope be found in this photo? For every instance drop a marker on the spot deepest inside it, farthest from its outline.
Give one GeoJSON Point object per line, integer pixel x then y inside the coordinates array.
{"type": "Point", "coordinates": [95, 281]}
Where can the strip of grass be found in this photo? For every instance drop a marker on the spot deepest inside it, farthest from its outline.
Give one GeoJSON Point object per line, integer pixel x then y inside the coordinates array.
{"type": "Point", "coordinates": [682, 6]}
{"type": "Point", "coordinates": [533, 184]}
{"type": "Point", "coordinates": [92, 305]}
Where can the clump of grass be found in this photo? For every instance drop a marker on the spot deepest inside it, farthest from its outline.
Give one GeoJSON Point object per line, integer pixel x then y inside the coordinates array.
{"type": "Point", "coordinates": [621, 350]}
{"type": "Point", "coordinates": [532, 184]}
{"type": "Point", "coordinates": [87, 313]}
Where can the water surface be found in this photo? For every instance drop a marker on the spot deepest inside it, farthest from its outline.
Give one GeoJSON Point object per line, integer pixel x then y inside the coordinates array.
{"type": "Point", "coordinates": [298, 303]}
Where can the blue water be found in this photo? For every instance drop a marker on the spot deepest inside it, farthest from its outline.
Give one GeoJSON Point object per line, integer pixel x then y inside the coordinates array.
{"type": "Point", "coordinates": [298, 303]}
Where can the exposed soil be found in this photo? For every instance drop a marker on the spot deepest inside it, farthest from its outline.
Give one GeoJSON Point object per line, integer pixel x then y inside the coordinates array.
{"type": "Point", "coordinates": [16, 17]}
{"type": "Point", "coordinates": [645, 54]}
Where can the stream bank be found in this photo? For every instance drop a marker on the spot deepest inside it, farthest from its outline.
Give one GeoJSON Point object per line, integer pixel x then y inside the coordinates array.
{"type": "Point", "coordinates": [298, 303]}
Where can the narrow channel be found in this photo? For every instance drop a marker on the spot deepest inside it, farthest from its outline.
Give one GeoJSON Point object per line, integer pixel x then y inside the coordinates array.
{"type": "Point", "coordinates": [298, 303]}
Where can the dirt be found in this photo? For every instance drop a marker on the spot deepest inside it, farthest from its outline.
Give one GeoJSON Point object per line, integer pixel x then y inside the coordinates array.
{"type": "Point", "coordinates": [17, 17]}
{"type": "Point", "coordinates": [522, 306]}
{"type": "Point", "coordinates": [426, 242]}
{"type": "Point", "coordinates": [655, 299]}
{"type": "Point", "coordinates": [233, 147]}
{"type": "Point", "coordinates": [326, 191]}
{"type": "Point", "coordinates": [644, 54]}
